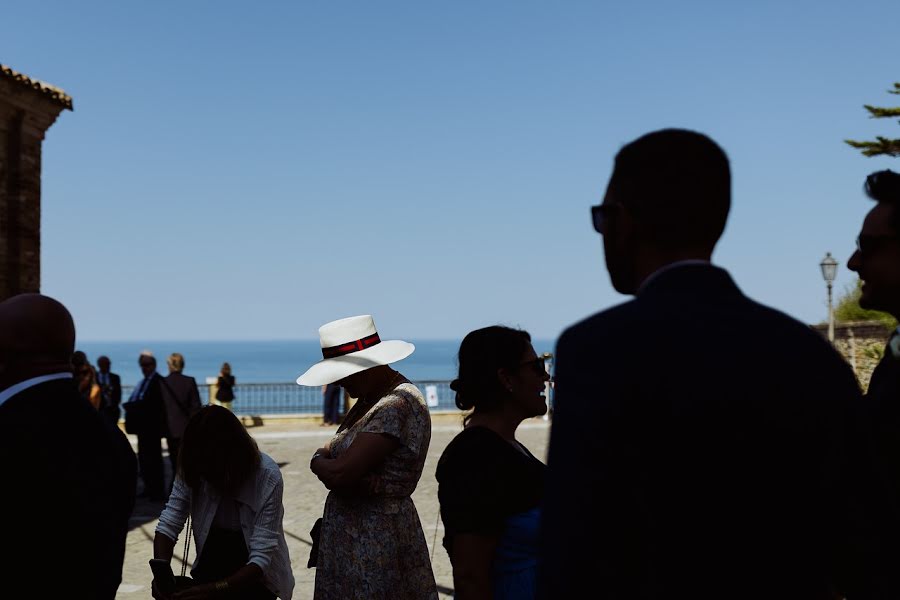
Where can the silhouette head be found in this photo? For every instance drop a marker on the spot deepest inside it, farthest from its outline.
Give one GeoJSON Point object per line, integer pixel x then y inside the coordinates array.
{"type": "Point", "coordinates": [103, 363]}
{"type": "Point", "coordinates": [147, 362]}
{"type": "Point", "coordinates": [877, 255]}
{"type": "Point", "coordinates": [499, 370]}
{"type": "Point", "coordinates": [667, 200]}
{"type": "Point", "coordinates": [37, 337]}
{"type": "Point", "coordinates": [79, 360]}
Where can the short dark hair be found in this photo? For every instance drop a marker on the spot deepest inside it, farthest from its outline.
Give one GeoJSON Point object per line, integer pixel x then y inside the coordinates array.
{"type": "Point", "coordinates": [79, 359]}
{"type": "Point", "coordinates": [677, 184]}
{"type": "Point", "coordinates": [481, 354]}
{"type": "Point", "coordinates": [217, 449]}
{"type": "Point", "coordinates": [884, 186]}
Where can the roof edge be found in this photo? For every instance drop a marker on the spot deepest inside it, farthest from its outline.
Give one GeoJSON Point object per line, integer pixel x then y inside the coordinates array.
{"type": "Point", "coordinates": [52, 92]}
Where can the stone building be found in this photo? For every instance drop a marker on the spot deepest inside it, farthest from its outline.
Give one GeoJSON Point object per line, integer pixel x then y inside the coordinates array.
{"type": "Point", "coordinates": [861, 343]}
{"type": "Point", "coordinates": [27, 110]}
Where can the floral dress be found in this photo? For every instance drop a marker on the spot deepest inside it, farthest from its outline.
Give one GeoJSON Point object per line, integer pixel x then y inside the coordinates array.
{"type": "Point", "coordinates": [372, 546]}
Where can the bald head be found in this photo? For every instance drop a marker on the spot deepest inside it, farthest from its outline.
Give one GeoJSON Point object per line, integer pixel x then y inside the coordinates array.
{"type": "Point", "coordinates": [37, 337]}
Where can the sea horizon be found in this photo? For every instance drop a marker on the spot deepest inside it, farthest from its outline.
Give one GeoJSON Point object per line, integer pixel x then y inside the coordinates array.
{"type": "Point", "coordinates": [267, 361]}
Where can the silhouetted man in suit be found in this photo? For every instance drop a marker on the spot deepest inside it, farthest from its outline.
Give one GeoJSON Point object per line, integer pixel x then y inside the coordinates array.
{"type": "Point", "coordinates": [877, 261]}
{"type": "Point", "coordinates": [698, 443]}
{"type": "Point", "coordinates": [149, 438]}
{"type": "Point", "coordinates": [181, 399]}
{"type": "Point", "coordinates": [111, 386]}
{"type": "Point", "coordinates": [68, 477]}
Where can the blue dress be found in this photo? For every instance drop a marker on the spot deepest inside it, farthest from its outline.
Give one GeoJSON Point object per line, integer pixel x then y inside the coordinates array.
{"type": "Point", "coordinates": [514, 571]}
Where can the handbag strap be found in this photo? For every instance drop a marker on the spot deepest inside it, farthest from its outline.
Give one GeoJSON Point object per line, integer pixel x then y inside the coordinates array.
{"type": "Point", "coordinates": [187, 545]}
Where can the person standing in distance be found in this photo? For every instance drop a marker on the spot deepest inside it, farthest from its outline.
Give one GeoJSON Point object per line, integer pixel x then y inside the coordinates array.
{"type": "Point", "coordinates": [111, 386]}
{"type": "Point", "coordinates": [181, 399]}
{"type": "Point", "coordinates": [149, 437]}
{"type": "Point", "coordinates": [225, 387]}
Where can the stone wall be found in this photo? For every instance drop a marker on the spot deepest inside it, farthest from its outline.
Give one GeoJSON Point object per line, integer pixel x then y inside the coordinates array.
{"type": "Point", "coordinates": [27, 109]}
{"type": "Point", "coordinates": [861, 343]}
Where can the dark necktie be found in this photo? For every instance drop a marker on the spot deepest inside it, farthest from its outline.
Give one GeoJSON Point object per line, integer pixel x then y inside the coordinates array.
{"type": "Point", "coordinates": [144, 387]}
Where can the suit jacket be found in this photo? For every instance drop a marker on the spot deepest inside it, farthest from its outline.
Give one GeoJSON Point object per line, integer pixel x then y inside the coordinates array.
{"type": "Point", "coordinates": [69, 480]}
{"type": "Point", "coordinates": [154, 424]}
{"type": "Point", "coordinates": [699, 449]}
{"type": "Point", "coordinates": [882, 404]}
{"type": "Point", "coordinates": [115, 389]}
{"type": "Point", "coordinates": [181, 399]}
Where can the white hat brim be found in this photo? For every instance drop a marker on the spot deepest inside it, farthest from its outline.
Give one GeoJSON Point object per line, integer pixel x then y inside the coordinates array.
{"type": "Point", "coordinates": [334, 369]}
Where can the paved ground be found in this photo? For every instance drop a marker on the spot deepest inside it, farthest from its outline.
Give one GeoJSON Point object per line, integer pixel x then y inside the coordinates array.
{"type": "Point", "coordinates": [292, 446]}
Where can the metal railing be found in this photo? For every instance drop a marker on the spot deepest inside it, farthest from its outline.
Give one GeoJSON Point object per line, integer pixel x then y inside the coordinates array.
{"type": "Point", "coordinates": [290, 398]}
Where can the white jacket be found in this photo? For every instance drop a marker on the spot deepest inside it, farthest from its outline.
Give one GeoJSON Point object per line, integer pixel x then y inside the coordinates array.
{"type": "Point", "coordinates": [261, 513]}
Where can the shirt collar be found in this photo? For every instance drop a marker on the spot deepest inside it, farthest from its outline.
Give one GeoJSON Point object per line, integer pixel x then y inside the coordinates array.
{"type": "Point", "coordinates": [28, 383]}
{"type": "Point", "coordinates": [668, 267]}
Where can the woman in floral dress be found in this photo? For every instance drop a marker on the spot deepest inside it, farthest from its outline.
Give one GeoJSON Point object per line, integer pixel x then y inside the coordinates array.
{"type": "Point", "coordinates": [370, 541]}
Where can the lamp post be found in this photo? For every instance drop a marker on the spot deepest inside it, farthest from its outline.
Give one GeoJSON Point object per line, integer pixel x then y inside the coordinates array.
{"type": "Point", "coordinates": [829, 270]}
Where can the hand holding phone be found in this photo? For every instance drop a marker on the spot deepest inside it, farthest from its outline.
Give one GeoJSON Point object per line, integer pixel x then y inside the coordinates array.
{"type": "Point", "coordinates": [163, 575]}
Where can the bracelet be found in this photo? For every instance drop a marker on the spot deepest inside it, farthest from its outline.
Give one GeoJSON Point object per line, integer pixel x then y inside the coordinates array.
{"type": "Point", "coordinates": [222, 586]}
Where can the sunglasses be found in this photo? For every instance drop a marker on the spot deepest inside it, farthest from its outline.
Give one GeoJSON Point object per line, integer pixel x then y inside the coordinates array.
{"type": "Point", "coordinates": [869, 244]}
{"type": "Point", "coordinates": [600, 215]}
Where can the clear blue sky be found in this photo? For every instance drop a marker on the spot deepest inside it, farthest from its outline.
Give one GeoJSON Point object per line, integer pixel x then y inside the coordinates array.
{"type": "Point", "coordinates": [250, 170]}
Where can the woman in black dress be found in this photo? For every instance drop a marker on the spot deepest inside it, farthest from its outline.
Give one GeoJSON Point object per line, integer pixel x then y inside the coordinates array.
{"type": "Point", "coordinates": [225, 391]}
{"type": "Point", "coordinates": [490, 486]}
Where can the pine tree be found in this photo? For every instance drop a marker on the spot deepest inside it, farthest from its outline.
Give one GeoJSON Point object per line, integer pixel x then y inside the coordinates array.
{"type": "Point", "coordinates": [882, 145]}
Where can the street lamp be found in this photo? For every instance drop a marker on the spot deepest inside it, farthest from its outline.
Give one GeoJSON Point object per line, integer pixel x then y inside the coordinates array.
{"type": "Point", "coordinates": [829, 270]}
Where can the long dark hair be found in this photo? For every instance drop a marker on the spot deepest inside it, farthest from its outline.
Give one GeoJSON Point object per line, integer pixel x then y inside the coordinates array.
{"type": "Point", "coordinates": [217, 449]}
{"type": "Point", "coordinates": [482, 353]}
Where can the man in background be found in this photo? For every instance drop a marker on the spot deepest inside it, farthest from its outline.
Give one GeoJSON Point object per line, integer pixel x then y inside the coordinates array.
{"type": "Point", "coordinates": [331, 400]}
{"type": "Point", "coordinates": [181, 399]}
{"type": "Point", "coordinates": [151, 429]}
{"type": "Point", "coordinates": [111, 390]}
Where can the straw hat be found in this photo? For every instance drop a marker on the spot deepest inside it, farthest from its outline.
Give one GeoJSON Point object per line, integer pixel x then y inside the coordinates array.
{"type": "Point", "coordinates": [349, 346]}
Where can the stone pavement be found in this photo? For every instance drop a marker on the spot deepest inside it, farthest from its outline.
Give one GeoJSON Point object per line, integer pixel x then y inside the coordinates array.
{"type": "Point", "coordinates": [291, 446]}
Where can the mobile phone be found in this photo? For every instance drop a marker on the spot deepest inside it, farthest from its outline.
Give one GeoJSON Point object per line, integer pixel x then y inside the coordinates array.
{"type": "Point", "coordinates": [163, 575]}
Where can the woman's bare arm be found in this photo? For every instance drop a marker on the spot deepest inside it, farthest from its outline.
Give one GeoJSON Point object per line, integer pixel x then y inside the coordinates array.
{"type": "Point", "coordinates": [367, 452]}
{"type": "Point", "coordinates": [471, 557]}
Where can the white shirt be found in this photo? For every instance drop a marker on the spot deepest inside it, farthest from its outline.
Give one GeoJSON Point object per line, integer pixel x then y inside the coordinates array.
{"type": "Point", "coordinates": [261, 513]}
{"type": "Point", "coordinates": [664, 268]}
{"type": "Point", "coordinates": [28, 383]}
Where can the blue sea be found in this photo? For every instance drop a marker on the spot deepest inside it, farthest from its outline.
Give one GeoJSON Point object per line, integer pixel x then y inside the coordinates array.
{"type": "Point", "coordinates": [279, 361]}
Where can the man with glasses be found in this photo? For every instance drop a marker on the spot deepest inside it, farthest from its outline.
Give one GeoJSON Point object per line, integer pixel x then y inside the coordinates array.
{"type": "Point", "coordinates": [698, 443]}
{"type": "Point", "coordinates": [149, 435]}
{"type": "Point", "coordinates": [877, 261]}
